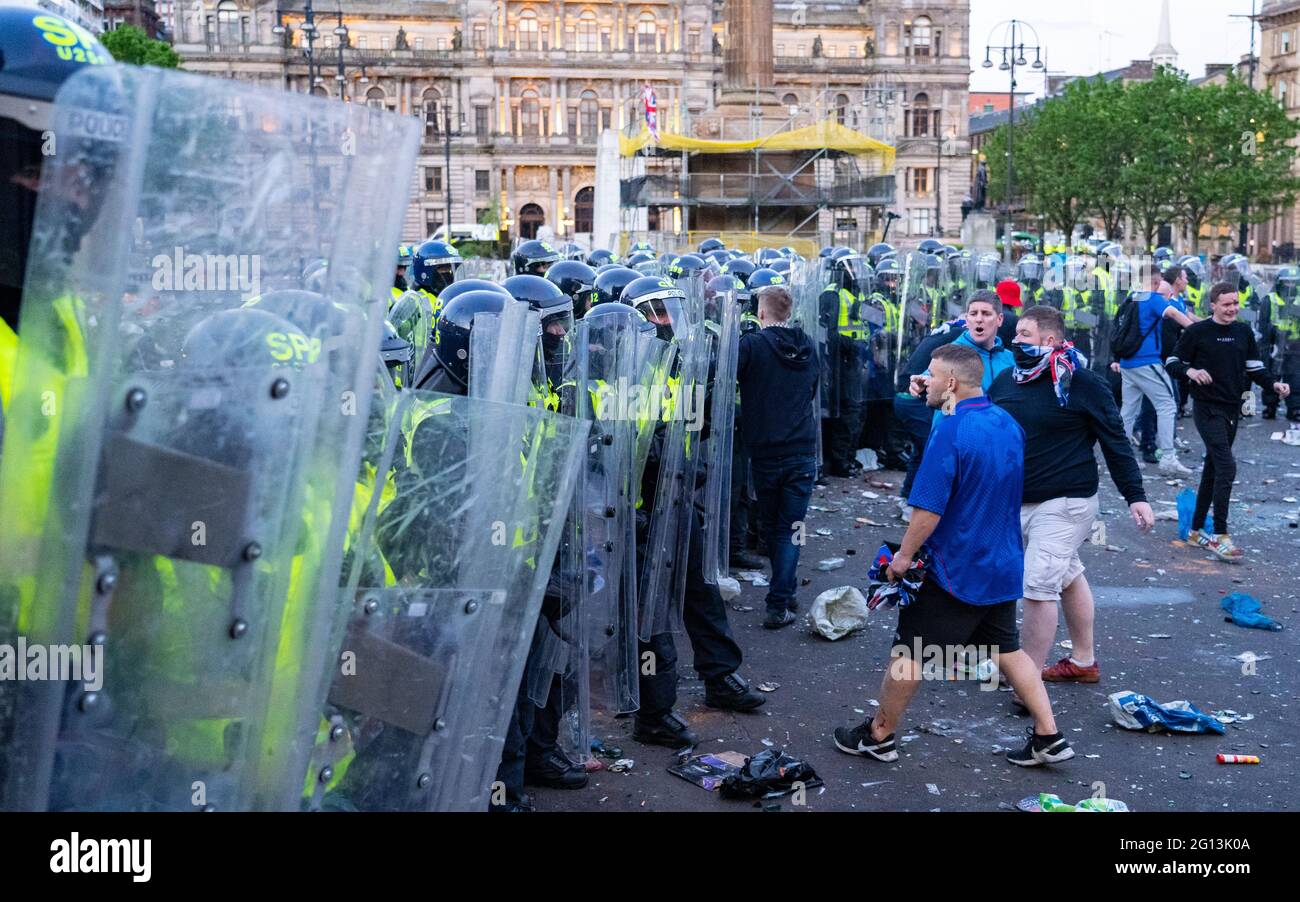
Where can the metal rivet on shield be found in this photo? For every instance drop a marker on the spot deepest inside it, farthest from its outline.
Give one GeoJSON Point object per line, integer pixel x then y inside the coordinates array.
{"type": "Point", "coordinates": [336, 732]}
{"type": "Point", "coordinates": [279, 388]}
{"type": "Point", "coordinates": [106, 583]}
{"type": "Point", "coordinates": [238, 628]}
{"type": "Point", "coordinates": [609, 631]}
{"type": "Point", "coordinates": [136, 399]}
{"type": "Point", "coordinates": [607, 439]}
{"type": "Point", "coordinates": [610, 512]}
{"type": "Point", "coordinates": [370, 605]}
{"type": "Point", "coordinates": [439, 725]}
{"type": "Point", "coordinates": [326, 774]}
{"type": "Point", "coordinates": [471, 607]}
{"type": "Point", "coordinates": [98, 637]}
{"type": "Point", "coordinates": [609, 546]}
{"type": "Point", "coordinates": [252, 551]}
{"type": "Point", "coordinates": [423, 781]}
{"type": "Point", "coordinates": [88, 701]}
{"type": "Point", "coordinates": [209, 807]}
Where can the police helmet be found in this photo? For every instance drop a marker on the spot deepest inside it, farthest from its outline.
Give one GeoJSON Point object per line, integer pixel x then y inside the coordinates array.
{"type": "Point", "coordinates": [611, 282]}
{"type": "Point", "coordinates": [451, 335]}
{"type": "Point", "coordinates": [578, 281]}
{"type": "Point", "coordinates": [532, 257]}
{"type": "Point", "coordinates": [661, 301]}
{"type": "Point", "coordinates": [434, 266]}
{"type": "Point", "coordinates": [600, 257]}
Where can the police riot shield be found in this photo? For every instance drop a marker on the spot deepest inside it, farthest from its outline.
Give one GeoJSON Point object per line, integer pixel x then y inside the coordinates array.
{"type": "Point", "coordinates": [1053, 281]}
{"type": "Point", "coordinates": [923, 289]}
{"type": "Point", "coordinates": [960, 283]}
{"type": "Point", "coordinates": [178, 523]}
{"type": "Point", "coordinates": [444, 582]}
{"type": "Point", "coordinates": [503, 354]}
{"type": "Point", "coordinates": [411, 317]}
{"type": "Point", "coordinates": [722, 398]}
{"type": "Point", "coordinates": [679, 410]}
{"type": "Point", "coordinates": [557, 677]}
{"type": "Point", "coordinates": [805, 288]}
{"type": "Point", "coordinates": [617, 383]}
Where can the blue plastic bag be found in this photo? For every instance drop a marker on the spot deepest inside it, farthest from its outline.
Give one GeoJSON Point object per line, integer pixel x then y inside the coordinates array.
{"type": "Point", "coordinates": [1135, 711]}
{"type": "Point", "coordinates": [1244, 610]}
{"type": "Point", "coordinates": [1186, 508]}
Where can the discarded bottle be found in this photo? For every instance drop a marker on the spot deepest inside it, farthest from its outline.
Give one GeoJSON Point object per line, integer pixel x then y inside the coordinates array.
{"type": "Point", "coordinates": [832, 563]}
{"type": "Point", "coordinates": [1238, 759]}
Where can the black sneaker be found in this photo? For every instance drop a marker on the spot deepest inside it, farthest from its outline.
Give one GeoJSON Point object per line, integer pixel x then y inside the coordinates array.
{"type": "Point", "coordinates": [732, 692]}
{"type": "Point", "coordinates": [1150, 457]}
{"type": "Point", "coordinates": [668, 730]}
{"type": "Point", "coordinates": [777, 619]}
{"type": "Point", "coordinates": [554, 770]}
{"type": "Point", "coordinates": [1270, 413]}
{"type": "Point", "coordinates": [1041, 750]}
{"type": "Point", "coordinates": [858, 741]}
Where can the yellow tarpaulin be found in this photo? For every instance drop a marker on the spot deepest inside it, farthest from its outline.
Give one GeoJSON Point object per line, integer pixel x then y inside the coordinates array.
{"type": "Point", "coordinates": [828, 133]}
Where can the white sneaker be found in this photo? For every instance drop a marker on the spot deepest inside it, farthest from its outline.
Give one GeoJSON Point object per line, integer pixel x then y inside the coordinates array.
{"type": "Point", "coordinates": [1169, 464]}
{"type": "Point", "coordinates": [905, 512]}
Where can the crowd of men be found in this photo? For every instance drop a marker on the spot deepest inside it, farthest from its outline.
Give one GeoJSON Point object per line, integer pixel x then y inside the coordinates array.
{"type": "Point", "coordinates": [359, 537]}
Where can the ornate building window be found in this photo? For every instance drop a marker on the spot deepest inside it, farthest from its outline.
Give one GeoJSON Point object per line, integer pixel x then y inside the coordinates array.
{"type": "Point", "coordinates": [588, 115]}
{"type": "Point", "coordinates": [530, 116]}
{"type": "Point", "coordinates": [432, 114]}
{"type": "Point", "coordinates": [647, 30]}
{"type": "Point", "coordinates": [528, 31]}
{"type": "Point", "coordinates": [588, 33]}
{"type": "Point", "coordinates": [919, 117]}
{"type": "Point", "coordinates": [920, 36]}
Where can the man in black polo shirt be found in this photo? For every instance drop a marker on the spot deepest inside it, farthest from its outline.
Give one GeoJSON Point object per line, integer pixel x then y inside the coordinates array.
{"type": "Point", "coordinates": [1065, 409]}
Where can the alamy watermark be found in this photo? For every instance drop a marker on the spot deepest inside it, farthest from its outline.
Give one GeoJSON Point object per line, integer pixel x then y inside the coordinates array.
{"type": "Point", "coordinates": [977, 663]}
{"type": "Point", "coordinates": [633, 401]}
{"type": "Point", "coordinates": [60, 663]}
{"type": "Point", "coordinates": [181, 271]}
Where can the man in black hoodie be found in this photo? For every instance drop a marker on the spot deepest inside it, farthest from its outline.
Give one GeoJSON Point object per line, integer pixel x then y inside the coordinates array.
{"type": "Point", "coordinates": [778, 372]}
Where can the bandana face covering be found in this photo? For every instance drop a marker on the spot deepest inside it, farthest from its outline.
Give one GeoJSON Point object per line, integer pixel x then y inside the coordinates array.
{"type": "Point", "coordinates": [1061, 361]}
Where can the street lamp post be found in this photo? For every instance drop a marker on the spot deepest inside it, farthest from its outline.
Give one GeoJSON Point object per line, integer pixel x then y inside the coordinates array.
{"type": "Point", "coordinates": [1013, 55]}
{"type": "Point", "coordinates": [444, 109]}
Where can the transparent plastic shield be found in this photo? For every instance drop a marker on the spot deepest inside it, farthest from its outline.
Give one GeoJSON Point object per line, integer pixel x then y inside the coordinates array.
{"type": "Point", "coordinates": [923, 290]}
{"type": "Point", "coordinates": [961, 282]}
{"type": "Point", "coordinates": [690, 403]}
{"type": "Point", "coordinates": [412, 318]}
{"type": "Point", "coordinates": [185, 509]}
{"type": "Point", "coordinates": [503, 355]}
{"type": "Point", "coordinates": [558, 662]}
{"type": "Point", "coordinates": [678, 409]}
{"type": "Point", "coordinates": [617, 377]}
{"type": "Point", "coordinates": [464, 502]}
{"type": "Point", "coordinates": [723, 398]}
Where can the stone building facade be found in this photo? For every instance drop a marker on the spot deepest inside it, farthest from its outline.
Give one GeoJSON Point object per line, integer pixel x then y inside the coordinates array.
{"type": "Point", "coordinates": [530, 84]}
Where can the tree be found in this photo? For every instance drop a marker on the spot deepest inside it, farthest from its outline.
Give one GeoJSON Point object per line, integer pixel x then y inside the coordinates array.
{"type": "Point", "coordinates": [130, 44]}
{"type": "Point", "coordinates": [1155, 153]}
{"type": "Point", "coordinates": [1065, 163]}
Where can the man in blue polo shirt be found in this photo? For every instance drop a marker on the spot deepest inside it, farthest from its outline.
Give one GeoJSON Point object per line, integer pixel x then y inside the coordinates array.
{"type": "Point", "coordinates": [966, 524]}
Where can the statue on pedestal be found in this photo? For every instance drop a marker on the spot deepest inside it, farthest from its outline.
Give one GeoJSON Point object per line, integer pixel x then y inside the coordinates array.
{"type": "Point", "coordinates": [401, 43]}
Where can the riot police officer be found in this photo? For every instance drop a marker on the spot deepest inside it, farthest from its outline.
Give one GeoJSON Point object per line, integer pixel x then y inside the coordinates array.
{"type": "Point", "coordinates": [840, 309]}
{"type": "Point", "coordinates": [1284, 338]}
{"type": "Point", "coordinates": [434, 266]}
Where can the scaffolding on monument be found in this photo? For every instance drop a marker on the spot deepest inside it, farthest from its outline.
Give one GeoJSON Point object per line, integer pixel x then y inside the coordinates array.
{"type": "Point", "coordinates": [770, 172]}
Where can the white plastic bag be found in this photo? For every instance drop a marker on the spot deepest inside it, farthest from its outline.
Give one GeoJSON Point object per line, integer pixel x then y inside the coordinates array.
{"type": "Point", "coordinates": [837, 612]}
